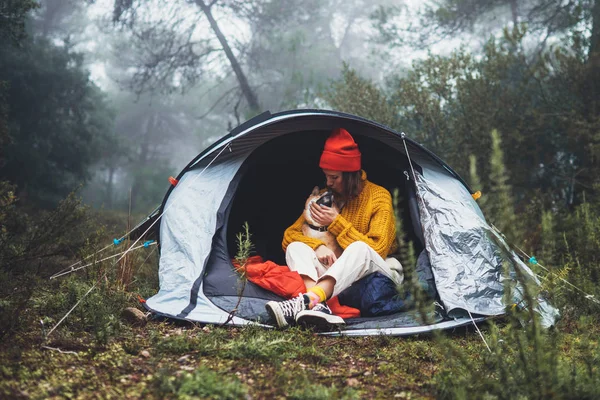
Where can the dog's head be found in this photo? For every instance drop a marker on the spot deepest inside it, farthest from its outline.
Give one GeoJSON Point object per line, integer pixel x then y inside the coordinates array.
{"type": "Point", "coordinates": [325, 198]}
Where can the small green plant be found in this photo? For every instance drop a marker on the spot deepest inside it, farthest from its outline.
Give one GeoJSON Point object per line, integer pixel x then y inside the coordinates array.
{"type": "Point", "coordinates": [578, 252]}
{"type": "Point", "coordinates": [244, 245]}
{"type": "Point", "coordinates": [322, 392]}
{"type": "Point", "coordinates": [258, 347]}
{"type": "Point", "coordinates": [406, 248]}
{"type": "Point", "coordinates": [178, 344]}
{"type": "Point", "coordinates": [201, 384]}
{"type": "Point", "coordinates": [499, 204]}
{"type": "Point", "coordinates": [244, 250]}
{"type": "Point", "coordinates": [412, 288]}
{"type": "Point", "coordinates": [475, 181]}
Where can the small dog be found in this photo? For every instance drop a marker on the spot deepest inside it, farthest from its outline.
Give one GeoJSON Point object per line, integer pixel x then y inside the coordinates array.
{"type": "Point", "coordinates": [314, 230]}
{"type": "Point", "coordinates": [311, 229]}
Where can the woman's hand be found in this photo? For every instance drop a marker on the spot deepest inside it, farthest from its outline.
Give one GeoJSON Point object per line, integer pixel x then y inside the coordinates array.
{"type": "Point", "coordinates": [325, 255]}
{"type": "Point", "coordinates": [323, 215]}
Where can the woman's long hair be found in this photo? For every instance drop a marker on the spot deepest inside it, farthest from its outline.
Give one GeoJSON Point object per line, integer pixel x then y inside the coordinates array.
{"type": "Point", "coordinates": [352, 184]}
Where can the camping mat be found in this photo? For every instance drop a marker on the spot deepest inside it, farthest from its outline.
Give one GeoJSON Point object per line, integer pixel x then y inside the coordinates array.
{"type": "Point", "coordinates": [249, 308]}
{"type": "Point", "coordinates": [402, 319]}
{"type": "Point", "coordinates": [254, 309]}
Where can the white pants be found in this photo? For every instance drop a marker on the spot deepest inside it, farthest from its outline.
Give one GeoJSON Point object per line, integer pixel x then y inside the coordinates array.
{"type": "Point", "coordinates": [356, 262]}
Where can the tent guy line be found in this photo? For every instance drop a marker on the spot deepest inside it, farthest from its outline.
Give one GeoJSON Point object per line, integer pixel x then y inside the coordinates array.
{"type": "Point", "coordinates": [587, 295]}
{"type": "Point", "coordinates": [70, 267]}
{"type": "Point", "coordinates": [476, 327]}
{"type": "Point", "coordinates": [78, 302]}
{"type": "Point", "coordinates": [131, 247]}
{"type": "Point", "coordinates": [90, 290]}
{"type": "Point", "coordinates": [228, 146]}
{"type": "Point", "coordinates": [115, 242]}
{"type": "Point", "coordinates": [62, 273]}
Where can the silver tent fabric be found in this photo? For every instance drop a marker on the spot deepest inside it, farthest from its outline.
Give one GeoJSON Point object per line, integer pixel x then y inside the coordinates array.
{"type": "Point", "coordinates": [466, 254]}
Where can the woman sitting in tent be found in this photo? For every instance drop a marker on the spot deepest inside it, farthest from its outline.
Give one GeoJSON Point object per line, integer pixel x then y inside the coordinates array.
{"type": "Point", "coordinates": [364, 228]}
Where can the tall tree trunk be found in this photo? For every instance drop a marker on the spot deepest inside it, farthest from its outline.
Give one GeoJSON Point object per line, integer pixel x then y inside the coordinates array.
{"type": "Point", "coordinates": [514, 9]}
{"type": "Point", "coordinates": [590, 84]}
{"type": "Point", "coordinates": [109, 187]}
{"type": "Point", "coordinates": [52, 9]}
{"type": "Point", "coordinates": [237, 69]}
{"type": "Point", "coordinates": [142, 160]}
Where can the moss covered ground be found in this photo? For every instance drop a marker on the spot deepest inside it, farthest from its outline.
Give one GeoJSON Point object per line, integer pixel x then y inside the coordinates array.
{"type": "Point", "coordinates": [165, 360]}
{"type": "Point", "coordinates": [186, 361]}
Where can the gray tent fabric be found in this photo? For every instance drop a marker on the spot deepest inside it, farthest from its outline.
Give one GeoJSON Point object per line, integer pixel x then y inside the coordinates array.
{"type": "Point", "coordinates": [466, 255]}
{"type": "Point", "coordinates": [187, 230]}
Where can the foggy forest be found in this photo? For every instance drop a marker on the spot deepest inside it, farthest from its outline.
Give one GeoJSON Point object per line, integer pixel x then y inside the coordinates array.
{"type": "Point", "coordinates": [103, 103]}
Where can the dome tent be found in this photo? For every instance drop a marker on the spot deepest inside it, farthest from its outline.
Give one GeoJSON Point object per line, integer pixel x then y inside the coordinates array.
{"type": "Point", "coordinates": [262, 172]}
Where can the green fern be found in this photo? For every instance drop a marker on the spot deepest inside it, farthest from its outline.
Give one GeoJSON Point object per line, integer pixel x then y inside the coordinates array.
{"type": "Point", "coordinates": [245, 247]}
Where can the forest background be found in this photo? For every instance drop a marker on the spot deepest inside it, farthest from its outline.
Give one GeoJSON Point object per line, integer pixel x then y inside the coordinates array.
{"type": "Point", "coordinates": [101, 101]}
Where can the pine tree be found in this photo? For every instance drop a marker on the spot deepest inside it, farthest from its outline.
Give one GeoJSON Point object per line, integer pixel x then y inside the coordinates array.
{"type": "Point", "coordinates": [476, 184]}
{"type": "Point", "coordinates": [547, 239]}
{"type": "Point", "coordinates": [356, 95]}
{"type": "Point", "coordinates": [500, 201]}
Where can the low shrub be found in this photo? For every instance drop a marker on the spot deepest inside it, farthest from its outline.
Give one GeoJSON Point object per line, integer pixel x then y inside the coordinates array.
{"type": "Point", "coordinates": [97, 313]}
{"type": "Point", "coordinates": [32, 247]}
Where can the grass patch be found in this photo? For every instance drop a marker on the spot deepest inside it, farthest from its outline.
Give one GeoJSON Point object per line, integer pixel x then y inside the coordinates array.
{"type": "Point", "coordinates": [321, 392]}
{"type": "Point", "coordinates": [202, 383]}
{"type": "Point", "coordinates": [259, 348]}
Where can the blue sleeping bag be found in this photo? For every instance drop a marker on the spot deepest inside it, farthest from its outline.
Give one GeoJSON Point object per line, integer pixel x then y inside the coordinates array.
{"type": "Point", "coordinates": [376, 294]}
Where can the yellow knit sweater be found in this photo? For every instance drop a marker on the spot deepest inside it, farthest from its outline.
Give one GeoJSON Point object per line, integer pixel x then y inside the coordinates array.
{"type": "Point", "coordinates": [368, 218]}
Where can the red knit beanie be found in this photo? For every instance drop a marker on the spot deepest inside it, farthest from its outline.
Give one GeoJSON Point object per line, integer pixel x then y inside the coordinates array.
{"type": "Point", "coordinates": [341, 152]}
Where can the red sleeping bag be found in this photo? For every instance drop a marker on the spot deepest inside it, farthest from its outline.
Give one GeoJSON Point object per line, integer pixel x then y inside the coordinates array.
{"type": "Point", "coordinates": [280, 280]}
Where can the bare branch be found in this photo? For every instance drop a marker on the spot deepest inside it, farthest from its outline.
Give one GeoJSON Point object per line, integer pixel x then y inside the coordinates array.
{"type": "Point", "coordinates": [224, 95]}
{"type": "Point", "coordinates": [59, 350]}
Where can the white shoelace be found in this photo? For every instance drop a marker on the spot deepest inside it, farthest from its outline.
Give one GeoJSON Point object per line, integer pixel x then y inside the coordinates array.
{"type": "Point", "coordinates": [294, 306]}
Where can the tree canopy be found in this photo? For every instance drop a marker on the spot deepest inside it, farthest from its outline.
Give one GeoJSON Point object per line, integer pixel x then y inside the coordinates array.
{"type": "Point", "coordinates": [56, 118]}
